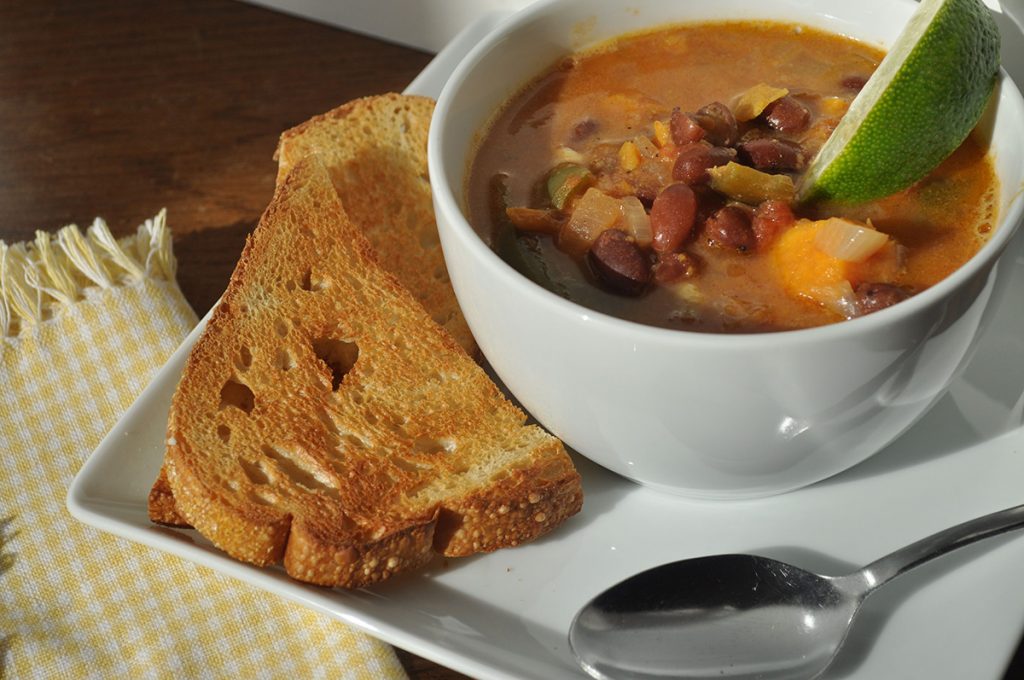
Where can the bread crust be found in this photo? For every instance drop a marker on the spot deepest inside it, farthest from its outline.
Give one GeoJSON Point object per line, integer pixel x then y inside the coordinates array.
{"type": "Point", "coordinates": [323, 420]}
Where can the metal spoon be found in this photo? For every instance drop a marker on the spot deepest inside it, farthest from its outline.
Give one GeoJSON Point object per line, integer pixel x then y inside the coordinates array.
{"type": "Point", "coordinates": [743, 616]}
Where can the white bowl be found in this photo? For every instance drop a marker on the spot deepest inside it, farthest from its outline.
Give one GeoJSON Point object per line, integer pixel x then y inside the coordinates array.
{"type": "Point", "coordinates": [704, 415]}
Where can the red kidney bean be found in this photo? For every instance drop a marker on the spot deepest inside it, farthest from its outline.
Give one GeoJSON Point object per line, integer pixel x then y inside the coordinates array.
{"type": "Point", "coordinates": [675, 267]}
{"type": "Point", "coordinates": [719, 124]}
{"type": "Point", "coordinates": [619, 263]}
{"type": "Point", "coordinates": [672, 217]}
{"type": "Point", "coordinates": [730, 228]}
{"type": "Point", "coordinates": [583, 129]}
{"type": "Point", "coordinates": [708, 203]}
{"type": "Point", "coordinates": [788, 115]}
{"type": "Point", "coordinates": [684, 129]}
{"type": "Point", "coordinates": [856, 83]}
{"type": "Point", "coordinates": [768, 153]}
{"type": "Point", "coordinates": [694, 160]}
{"type": "Point", "coordinates": [769, 219]}
{"type": "Point", "coordinates": [872, 297]}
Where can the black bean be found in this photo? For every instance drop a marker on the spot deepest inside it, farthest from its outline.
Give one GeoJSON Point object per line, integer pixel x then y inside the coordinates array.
{"type": "Point", "coordinates": [719, 124]}
{"type": "Point", "coordinates": [730, 228]}
{"type": "Point", "coordinates": [872, 297]}
{"type": "Point", "coordinates": [768, 153]}
{"type": "Point", "coordinates": [619, 263]}
{"type": "Point", "coordinates": [694, 160]}
{"type": "Point", "coordinates": [788, 115]}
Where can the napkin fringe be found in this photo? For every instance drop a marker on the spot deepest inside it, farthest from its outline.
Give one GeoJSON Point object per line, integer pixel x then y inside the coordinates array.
{"type": "Point", "coordinates": [38, 277]}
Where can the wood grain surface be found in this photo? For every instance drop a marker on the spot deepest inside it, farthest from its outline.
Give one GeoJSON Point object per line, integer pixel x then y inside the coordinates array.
{"type": "Point", "coordinates": [118, 108]}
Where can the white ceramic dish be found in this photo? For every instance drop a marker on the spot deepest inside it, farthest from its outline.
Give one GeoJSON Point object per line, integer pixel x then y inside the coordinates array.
{"type": "Point", "coordinates": [700, 414]}
{"type": "Point", "coordinates": [506, 615]}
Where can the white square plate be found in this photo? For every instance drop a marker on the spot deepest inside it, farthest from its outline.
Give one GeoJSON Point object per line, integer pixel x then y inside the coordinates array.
{"type": "Point", "coordinates": [507, 614]}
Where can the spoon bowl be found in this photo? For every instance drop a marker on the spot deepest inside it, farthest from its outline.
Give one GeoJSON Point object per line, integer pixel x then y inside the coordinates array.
{"type": "Point", "coordinates": [743, 616]}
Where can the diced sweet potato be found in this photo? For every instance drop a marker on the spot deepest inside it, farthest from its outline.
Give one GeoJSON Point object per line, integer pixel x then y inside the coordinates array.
{"type": "Point", "coordinates": [801, 266]}
{"type": "Point", "coordinates": [805, 271]}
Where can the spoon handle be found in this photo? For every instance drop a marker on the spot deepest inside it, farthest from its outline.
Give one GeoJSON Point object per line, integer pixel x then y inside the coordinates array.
{"type": "Point", "coordinates": [889, 567]}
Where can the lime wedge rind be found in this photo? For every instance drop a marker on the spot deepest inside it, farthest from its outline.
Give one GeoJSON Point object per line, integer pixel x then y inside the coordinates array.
{"type": "Point", "coordinates": [916, 109]}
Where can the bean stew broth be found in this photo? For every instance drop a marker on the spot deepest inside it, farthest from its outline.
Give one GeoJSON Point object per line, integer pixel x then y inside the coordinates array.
{"type": "Point", "coordinates": [626, 113]}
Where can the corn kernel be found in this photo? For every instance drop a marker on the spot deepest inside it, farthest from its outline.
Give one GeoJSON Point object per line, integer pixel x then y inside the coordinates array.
{"type": "Point", "coordinates": [629, 156]}
{"type": "Point", "coordinates": [662, 134]}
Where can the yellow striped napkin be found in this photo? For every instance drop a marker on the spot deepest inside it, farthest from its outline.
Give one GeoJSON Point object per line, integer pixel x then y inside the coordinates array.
{"type": "Point", "coordinates": [85, 320]}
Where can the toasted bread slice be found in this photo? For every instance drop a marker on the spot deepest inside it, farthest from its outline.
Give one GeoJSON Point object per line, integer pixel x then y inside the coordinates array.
{"type": "Point", "coordinates": [375, 149]}
{"type": "Point", "coordinates": [325, 420]}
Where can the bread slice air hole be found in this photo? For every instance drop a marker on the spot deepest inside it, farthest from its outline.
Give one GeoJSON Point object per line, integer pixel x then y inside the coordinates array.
{"type": "Point", "coordinates": [297, 468]}
{"type": "Point", "coordinates": [238, 395]}
{"type": "Point", "coordinates": [260, 498]}
{"type": "Point", "coordinates": [430, 445]}
{"type": "Point", "coordinates": [338, 355]}
{"type": "Point", "coordinates": [398, 428]}
{"type": "Point", "coordinates": [224, 432]}
{"type": "Point", "coordinates": [408, 465]}
{"type": "Point", "coordinates": [310, 282]}
{"type": "Point", "coordinates": [330, 427]}
{"type": "Point", "coordinates": [253, 472]}
{"type": "Point", "coordinates": [352, 282]}
{"type": "Point", "coordinates": [284, 360]}
{"type": "Point", "coordinates": [244, 360]}
{"type": "Point", "coordinates": [355, 441]}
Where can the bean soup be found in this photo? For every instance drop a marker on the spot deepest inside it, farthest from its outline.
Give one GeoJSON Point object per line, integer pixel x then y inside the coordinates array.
{"type": "Point", "coordinates": [654, 178]}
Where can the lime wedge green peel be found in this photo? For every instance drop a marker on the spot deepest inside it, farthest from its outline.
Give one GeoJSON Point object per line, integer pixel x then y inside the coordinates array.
{"type": "Point", "coordinates": [920, 104]}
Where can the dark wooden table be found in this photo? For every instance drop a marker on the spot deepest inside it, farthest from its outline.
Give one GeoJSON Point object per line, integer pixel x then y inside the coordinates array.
{"type": "Point", "coordinates": [118, 108]}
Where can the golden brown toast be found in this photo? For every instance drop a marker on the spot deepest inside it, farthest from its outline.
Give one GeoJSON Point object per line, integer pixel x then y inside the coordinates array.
{"type": "Point", "coordinates": [325, 421]}
{"type": "Point", "coordinates": [375, 149]}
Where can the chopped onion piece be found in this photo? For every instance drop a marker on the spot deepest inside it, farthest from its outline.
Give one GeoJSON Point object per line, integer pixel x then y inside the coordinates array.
{"type": "Point", "coordinates": [594, 212]}
{"type": "Point", "coordinates": [838, 297]}
{"type": "Point", "coordinates": [567, 154]}
{"type": "Point", "coordinates": [848, 241]}
{"type": "Point", "coordinates": [645, 147]}
{"type": "Point", "coordinates": [635, 221]}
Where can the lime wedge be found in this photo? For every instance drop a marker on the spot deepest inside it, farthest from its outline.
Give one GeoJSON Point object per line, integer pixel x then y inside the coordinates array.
{"type": "Point", "coordinates": [921, 103]}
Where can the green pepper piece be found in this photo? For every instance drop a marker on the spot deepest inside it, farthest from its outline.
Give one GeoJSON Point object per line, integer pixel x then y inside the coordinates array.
{"type": "Point", "coordinates": [565, 181]}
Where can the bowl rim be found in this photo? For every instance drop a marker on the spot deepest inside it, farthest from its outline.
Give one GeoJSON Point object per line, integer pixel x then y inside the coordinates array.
{"type": "Point", "coordinates": [450, 205]}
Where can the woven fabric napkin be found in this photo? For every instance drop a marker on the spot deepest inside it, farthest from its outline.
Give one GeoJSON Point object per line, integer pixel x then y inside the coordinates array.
{"type": "Point", "coordinates": [85, 321]}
